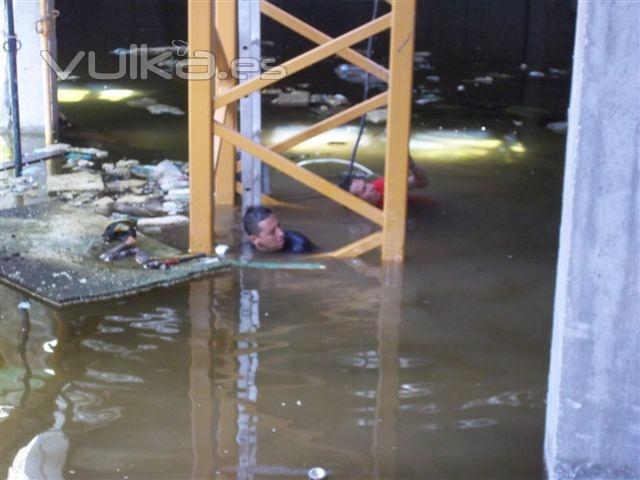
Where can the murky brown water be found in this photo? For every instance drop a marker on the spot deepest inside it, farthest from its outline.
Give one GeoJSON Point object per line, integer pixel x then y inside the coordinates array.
{"type": "Point", "coordinates": [438, 371]}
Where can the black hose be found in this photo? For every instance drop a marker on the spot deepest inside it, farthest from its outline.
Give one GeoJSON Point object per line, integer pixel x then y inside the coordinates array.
{"type": "Point", "coordinates": [365, 96]}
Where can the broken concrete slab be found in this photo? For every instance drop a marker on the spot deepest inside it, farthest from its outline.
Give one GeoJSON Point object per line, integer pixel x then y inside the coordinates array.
{"type": "Point", "coordinates": [75, 182]}
{"type": "Point", "coordinates": [166, 221]}
{"type": "Point", "coordinates": [51, 251]}
{"type": "Point", "coordinates": [121, 186]}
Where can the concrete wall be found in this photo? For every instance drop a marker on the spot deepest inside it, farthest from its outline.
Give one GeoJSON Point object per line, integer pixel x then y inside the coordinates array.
{"type": "Point", "coordinates": [30, 76]}
{"type": "Point", "coordinates": [593, 411]}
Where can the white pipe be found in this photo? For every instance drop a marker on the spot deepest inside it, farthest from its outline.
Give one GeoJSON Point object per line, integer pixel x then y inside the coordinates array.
{"type": "Point", "coordinates": [339, 161]}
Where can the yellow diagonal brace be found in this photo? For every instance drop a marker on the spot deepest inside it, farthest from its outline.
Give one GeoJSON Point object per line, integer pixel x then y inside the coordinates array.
{"type": "Point", "coordinates": [319, 37]}
{"type": "Point", "coordinates": [300, 174]}
{"type": "Point", "coordinates": [302, 61]}
{"type": "Point", "coordinates": [332, 122]}
{"type": "Point", "coordinates": [357, 248]}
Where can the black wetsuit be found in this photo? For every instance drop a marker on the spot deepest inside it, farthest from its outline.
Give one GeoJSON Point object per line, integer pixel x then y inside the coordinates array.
{"type": "Point", "coordinates": [295, 242]}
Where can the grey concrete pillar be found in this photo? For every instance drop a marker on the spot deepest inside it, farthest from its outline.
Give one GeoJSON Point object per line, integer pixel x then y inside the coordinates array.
{"type": "Point", "coordinates": [593, 411]}
{"type": "Point", "coordinates": [33, 110]}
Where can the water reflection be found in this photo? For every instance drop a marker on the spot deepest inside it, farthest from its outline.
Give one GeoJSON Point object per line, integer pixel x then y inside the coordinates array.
{"type": "Point", "coordinates": [250, 376]}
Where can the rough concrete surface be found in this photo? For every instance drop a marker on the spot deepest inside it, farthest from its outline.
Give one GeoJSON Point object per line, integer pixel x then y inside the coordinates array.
{"type": "Point", "coordinates": [51, 251]}
{"type": "Point", "coordinates": [593, 411]}
{"type": "Point", "coordinates": [75, 182]}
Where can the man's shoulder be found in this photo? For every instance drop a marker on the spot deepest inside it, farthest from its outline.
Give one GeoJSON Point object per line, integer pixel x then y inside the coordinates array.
{"type": "Point", "coordinates": [296, 242]}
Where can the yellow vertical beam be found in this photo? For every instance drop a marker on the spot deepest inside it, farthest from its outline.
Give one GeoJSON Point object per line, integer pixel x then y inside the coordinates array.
{"type": "Point", "coordinates": [398, 127]}
{"type": "Point", "coordinates": [226, 25]}
{"type": "Point", "coordinates": [201, 183]}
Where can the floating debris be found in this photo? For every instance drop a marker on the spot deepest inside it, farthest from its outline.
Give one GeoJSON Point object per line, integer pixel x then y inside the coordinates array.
{"type": "Point", "coordinates": [377, 116]}
{"type": "Point", "coordinates": [142, 102]}
{"type": "Point", "coordinates": [557, 72]}
{"type": "Point", "coordinates": [317, 473]}
{"type": "Point", "coordinates": [536, 74]}
{"type": "Point", "coordinates": [337, 100]}
{"type": "Point", "coordinates": [461, 88]}
{"type": "Point", "coordinates": [154, 107]}
{"type": "Point", "coordinates": [353, 74]}
{"type": "Point", "coordinates": [527, 112]}
{"type": "Point", "coordinates": [425, 98]}
{"type": "Point", "coordinates": [295, 98]}
{"type": "Point", "coordinates": [432, 78]}
{"type": "Point", "coordinates": [558, 127]}
{"type": "Point", "coordinates": [487, 80]}
{"type": "Point", "coordinates": [160, 108]}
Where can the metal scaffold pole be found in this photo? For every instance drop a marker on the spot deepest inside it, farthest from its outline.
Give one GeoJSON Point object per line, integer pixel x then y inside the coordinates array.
{"type": "Point", "coordinates": [250, 106]}
{"type": "Point", "coordinates": [12, 45]}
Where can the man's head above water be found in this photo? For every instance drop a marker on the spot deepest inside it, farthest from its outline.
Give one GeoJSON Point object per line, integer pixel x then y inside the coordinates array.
{"type": "Point", "coordinates": [361, 189]}
{"type": "Point", "coordinates": [263, 228]}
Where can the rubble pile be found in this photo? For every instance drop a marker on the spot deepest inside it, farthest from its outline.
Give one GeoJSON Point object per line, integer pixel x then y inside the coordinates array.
{"type": "Point", "coordinates": [158, 193]}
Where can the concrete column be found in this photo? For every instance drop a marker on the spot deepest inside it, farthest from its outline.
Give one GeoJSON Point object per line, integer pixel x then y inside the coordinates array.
{"type": "Point", "coordinates": [30, 72]}
{"type": "Point", "coordinates": [593, 411]}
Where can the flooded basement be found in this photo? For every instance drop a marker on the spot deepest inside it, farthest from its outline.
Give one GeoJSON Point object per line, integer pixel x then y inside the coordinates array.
{"type": "Point", "coordinates": [436, 371]}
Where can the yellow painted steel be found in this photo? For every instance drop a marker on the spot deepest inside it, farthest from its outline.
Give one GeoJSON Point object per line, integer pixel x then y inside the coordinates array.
{"type": "Point", "coordinates": [225, 16]}
{"type": "Point", "coordinates": [332, 122]}
{"type": "Point", "coordinates": [315, 35]}
{"type": "Point", "coordinates": [205, 153]}
{"type": "Point", "coordinates": [302, 61]}
{"type": "Point", "coordinates": [398, 127]}
{"type": "Point", "coordinates": [201, 178]}
{"type": "Point", "coordinates": [300, 174]}
{"type": "Point", "coordinates": [357, 248]}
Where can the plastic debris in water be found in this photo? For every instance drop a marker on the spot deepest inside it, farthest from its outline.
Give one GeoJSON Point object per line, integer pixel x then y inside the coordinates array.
{"type": "Point", "coordinates": [317, 473]}
{"type": "Point", "coordinates": [558, 127]}
{"type": "Point", "coordinates": [221, 250]}
{"type": "Point", "coordinates": [536, 74]}
{"type": "Point", "coordinates": [24, 305]}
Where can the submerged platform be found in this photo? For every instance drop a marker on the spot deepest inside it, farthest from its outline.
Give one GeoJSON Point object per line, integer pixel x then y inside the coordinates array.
{"type": "Point", "coordinates": [51, 252]}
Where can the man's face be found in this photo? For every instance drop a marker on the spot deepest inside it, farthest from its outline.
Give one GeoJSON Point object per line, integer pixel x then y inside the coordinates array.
{"type": "Point", "coordinates": [364, 190]}
{"type": "Point", "coordinates": [271, 237]}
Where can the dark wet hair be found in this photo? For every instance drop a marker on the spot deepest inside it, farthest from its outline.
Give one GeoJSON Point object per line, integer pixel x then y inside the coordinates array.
{"type": "Point", "coordinates": [346, 182]}
{"type": "Point", "coordinates": [253, 216]}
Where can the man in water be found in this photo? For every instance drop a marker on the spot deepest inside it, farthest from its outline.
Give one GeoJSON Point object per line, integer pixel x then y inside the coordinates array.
{"type": "Point", "coordinates": [266, 235]}
{"type": "Point", "coordinates": [373, 191]}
